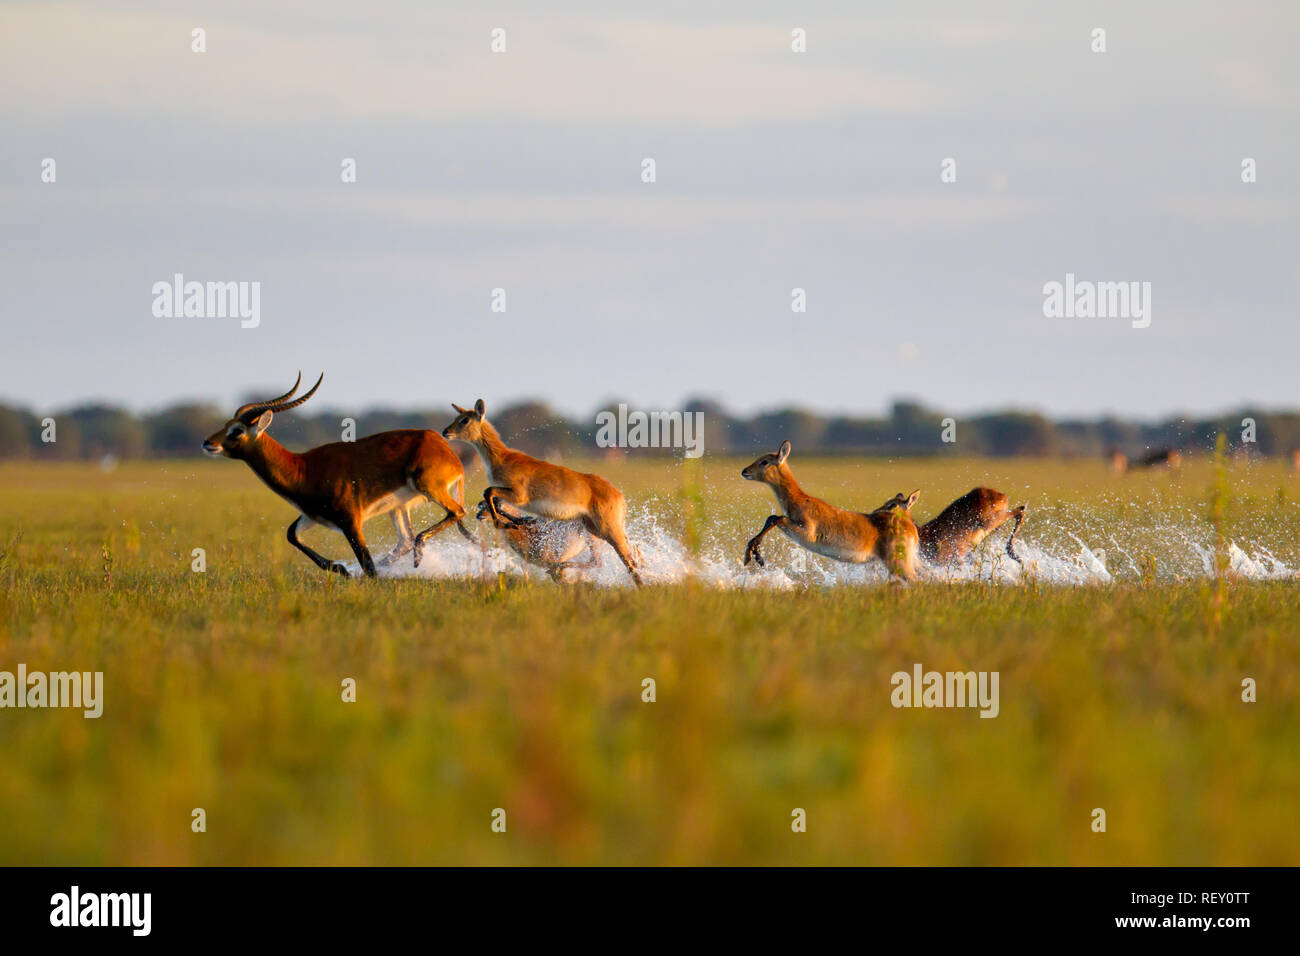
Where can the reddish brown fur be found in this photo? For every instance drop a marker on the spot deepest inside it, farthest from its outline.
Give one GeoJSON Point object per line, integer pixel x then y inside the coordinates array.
{"type": "Point", "coordinates": [888, 533]}
{"type": "Point", "coordinates": [544, 489]}
{"type": "Point", "coordinates": [964, 524]}
{"type": "Point", "coordinates": [344, 483]}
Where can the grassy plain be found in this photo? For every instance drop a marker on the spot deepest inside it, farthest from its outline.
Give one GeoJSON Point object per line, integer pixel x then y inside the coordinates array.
{"type": "Point", "coordinates": [223, 688]}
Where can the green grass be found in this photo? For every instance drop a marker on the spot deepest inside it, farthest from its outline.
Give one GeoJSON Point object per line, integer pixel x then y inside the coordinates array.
{"type": "Point", "coordinates": [223, 689]}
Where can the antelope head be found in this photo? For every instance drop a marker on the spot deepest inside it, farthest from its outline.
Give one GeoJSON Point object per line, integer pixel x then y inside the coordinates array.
{"type": "Point", "coordinates": [468, 425]}
{"type": "Point", "coordinates": [767, 468]}
{"type": "Point", "coordinates": [240, 435]}
{"type": "Point", "coordinates": [508, 518]}
{"type": "Point", "coordinates": [901, 500]}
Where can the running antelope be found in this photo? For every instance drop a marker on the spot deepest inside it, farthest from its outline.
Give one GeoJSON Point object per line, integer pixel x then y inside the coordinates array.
{"type": "Point", "coordinates": [553, 546]}
{"type": "Point", "coordinates": [960, 527]}
{"type": "Point", "coordinates": [811, 523]}
{"type": "Point", "coordinates": [342, 484]}
{"type": "Point", "coordinates": [543, 489]}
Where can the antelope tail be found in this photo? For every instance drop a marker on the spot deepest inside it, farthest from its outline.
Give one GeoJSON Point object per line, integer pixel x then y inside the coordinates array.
{"type": "Point", "coordinates": [1020, 517]}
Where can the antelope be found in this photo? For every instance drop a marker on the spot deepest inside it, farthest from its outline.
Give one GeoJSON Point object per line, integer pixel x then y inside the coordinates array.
{"type": "Point", "coordinates": [1121, 463]}
{"type": "Point", "coordinates": [342, 484]}
{"type": "Point", "coordinates": [888, 533]}
{"type": "Point", "coordinates": [1165, 456]}
{"type": "Point", "coordinates": [551, 545]}
{"type": "Point", "coordinates": [543, 489]}
{"type": "Point", "coordinates": [960, 527]}
{"type": "Point", "coordinates": [1295, 460]}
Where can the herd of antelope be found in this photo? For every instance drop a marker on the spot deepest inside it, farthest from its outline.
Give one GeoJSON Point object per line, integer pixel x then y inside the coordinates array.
{"type": "Point", "coordinates": [550, 515]}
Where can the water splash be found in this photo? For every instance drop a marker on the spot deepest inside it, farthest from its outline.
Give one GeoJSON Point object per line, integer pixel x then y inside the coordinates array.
{"type": "Point", "coordinates": [1063, 548]}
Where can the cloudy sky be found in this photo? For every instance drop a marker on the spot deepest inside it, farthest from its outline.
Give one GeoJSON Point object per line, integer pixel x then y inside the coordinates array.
{"type": "Point", "coordinates": [774, 170]}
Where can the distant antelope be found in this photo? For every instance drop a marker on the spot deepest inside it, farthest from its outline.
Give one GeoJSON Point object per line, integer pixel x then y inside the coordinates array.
{"type": "Point", "coordinates": [963, 525]}
{"type": "Point", "coordinates": [543, 489]}
{"type": "Point", "coordinates": [1295, 459]}
{"type": "Point", "coordinates": [1169, 457]}
{"type": "Point", "coordinates": [551, 545]}
{"type": "Point", "coordinates": [342, 484]}
{"type": "Point", "coordinates": [811, 523]}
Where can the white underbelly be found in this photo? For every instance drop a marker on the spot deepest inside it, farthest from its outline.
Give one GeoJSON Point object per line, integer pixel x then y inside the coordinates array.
{"type": "Point", "coordinates": [309, 522]}
{"type": "Point", "coordinates": [551, 508]}
{"type": "Point", "coordinates": [397, 499]}
{"type": "Point", "coordinates": [829, 549]}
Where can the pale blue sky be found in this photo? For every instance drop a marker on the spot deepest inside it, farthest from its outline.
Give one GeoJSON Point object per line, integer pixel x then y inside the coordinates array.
{"type": "Point", "coordinates": [775, 170]}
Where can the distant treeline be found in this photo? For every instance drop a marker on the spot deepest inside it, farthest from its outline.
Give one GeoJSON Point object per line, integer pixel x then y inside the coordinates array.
{"type": "Point", "coordinates": [94, 431]}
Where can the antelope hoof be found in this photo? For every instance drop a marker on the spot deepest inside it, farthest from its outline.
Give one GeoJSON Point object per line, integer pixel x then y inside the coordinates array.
{"type": "Point", "coordinates": [419, 553]}
{"type": "Point", "coordinates": [338, 567]}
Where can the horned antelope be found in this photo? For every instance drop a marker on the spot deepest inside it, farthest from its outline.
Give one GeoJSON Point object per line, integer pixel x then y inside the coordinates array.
{"type": "Point", "coordinates": [553, 546]}
{"type": "Point", "coordinates": [541, 488]}
{"type": "Point", "coordinates": [821, 528]}
{"type": "Point", "coordinates": [959, 528]}
{"type": "Point", "coordinates": [342, 484]}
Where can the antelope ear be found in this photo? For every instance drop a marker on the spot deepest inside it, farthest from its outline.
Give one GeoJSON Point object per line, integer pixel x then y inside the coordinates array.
{"type": "Point", "coordinates": [262, 423]}
{"type": "Point", "coordinates": [784, 453]}
{"type": "Point", "coordinates": [459, 409]}
{"type": "Point", "coordinates": [479, 408]}
{"type": "Point", "coordinates": [912, 499]}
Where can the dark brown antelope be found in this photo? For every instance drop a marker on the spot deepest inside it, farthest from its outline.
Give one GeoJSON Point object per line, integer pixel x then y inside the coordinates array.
{"type": "Point", "coordinates": [553, 546]}
{"type": "Point", "coordinates": [963, 525]}
{"type": "Point", "coordinates": [1165, 457]}
{"type": "Point", "coordinates": [541, 488]}
{"type": "Point", "coordinates": [887, 533]}
{"type": "Point", "coordinates": [342, 484]}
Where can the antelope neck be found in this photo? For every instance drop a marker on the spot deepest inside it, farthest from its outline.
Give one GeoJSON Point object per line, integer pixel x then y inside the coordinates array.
{"type": "Point", "coordinates": [787, 491]}
{"type": "Point", "coordinates": [490, 446]}
{"type": "Point", "coordinates": [280, 469]}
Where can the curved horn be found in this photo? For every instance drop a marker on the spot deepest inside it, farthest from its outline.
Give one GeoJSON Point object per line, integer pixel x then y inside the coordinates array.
{"type": "Point", "coordinates": [285, 406]}
{"type": "Point", "coordinates": [261, 406]}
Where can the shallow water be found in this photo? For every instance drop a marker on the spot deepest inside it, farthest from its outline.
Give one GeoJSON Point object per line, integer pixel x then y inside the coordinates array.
{"type": "Point", "coordinates": [1058, 546]}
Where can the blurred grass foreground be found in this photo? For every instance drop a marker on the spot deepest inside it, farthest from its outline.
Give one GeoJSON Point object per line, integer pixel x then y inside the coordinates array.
{"type": "Point", "coordinates": [224, 690]}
